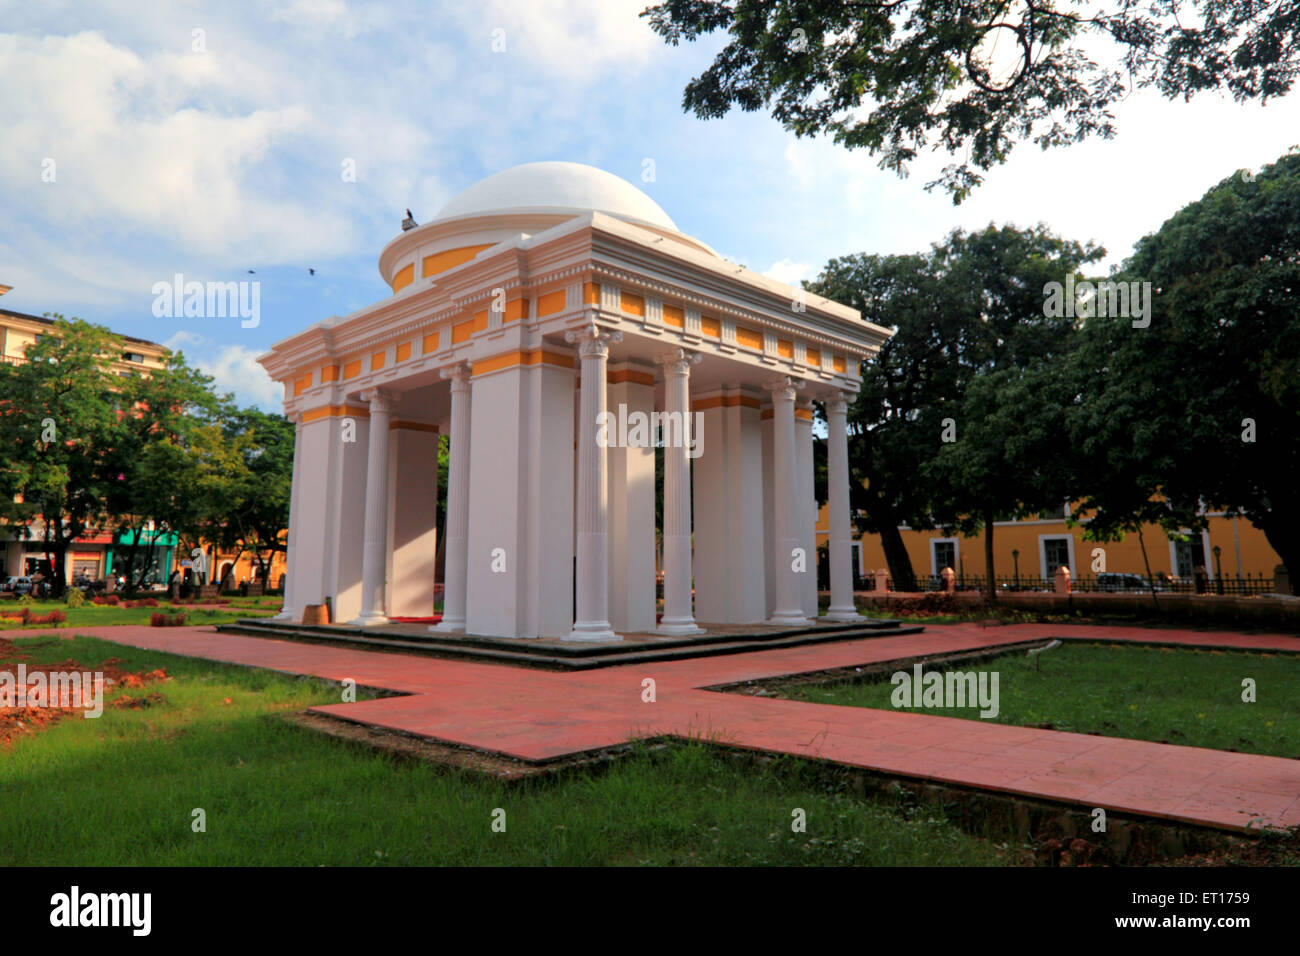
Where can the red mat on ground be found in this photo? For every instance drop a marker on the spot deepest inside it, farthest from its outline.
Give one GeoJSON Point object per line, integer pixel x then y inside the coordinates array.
{"type": "Point", "coordinates": [417, 620]}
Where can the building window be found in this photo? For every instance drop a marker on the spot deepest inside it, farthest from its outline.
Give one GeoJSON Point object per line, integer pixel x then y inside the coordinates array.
{"type": "Point", "coordinates": [943, 554]}
{"type": "Point", "coordinates": [134, 357]}
{"type": "Point", "coordinates": [1187, 556]}
{"type": "Point", "coordinates": [1054, 552]}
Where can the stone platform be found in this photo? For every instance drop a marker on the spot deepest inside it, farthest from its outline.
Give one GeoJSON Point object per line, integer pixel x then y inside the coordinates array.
{"type": "Point", "coordinates": [568, 655]}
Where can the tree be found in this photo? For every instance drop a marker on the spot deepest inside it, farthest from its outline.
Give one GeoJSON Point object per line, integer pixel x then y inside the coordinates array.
{"type": "Point", "coordinates": [970, 306]}
{"type": "Point", "coordinates": [973, 77]}
{"type": "Point", "coordinates": [1011, 458]}
{"type": "Point", "coordinates": [1201, 408]}
{"type": "Point", "coordinates": [259, 521]}
{"type": "Point", "coordinates": [58, 430]}
{"type": "Point", "coordinates": [160, 459]}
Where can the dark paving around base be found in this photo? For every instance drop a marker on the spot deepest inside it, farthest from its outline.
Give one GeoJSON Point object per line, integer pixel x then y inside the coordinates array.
{"type": "Point", "coordinates": [570, 655]}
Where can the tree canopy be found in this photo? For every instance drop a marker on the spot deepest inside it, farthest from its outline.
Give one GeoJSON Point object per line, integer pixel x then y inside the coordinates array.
{"type": "Point", "coordinates": [974, 77]}
{"type": "Point", "coordinates": [157, 453]}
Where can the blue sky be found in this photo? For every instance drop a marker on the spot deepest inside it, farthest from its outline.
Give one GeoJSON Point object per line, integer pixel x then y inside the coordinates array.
{"type": "Point", "coordinates": [210, 162]}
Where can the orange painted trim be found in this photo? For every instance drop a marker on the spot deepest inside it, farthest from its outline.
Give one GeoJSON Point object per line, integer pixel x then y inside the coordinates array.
{"type": "Point", "coordinates": [429, 344]}
{"type": "Point", "coordinates": [813, 356]}
{"type": "Point", "coordinates": [404, 277]}
{"type": "Point", "coordinates": [630, 375]}
{"type": "Point", "coordinates": [404, 351]}
{"type": "Point", "coordinates": [551, 303]}
{"type": "Point", "coordinates": [450, 259]}
{"type": "Point", "coordinates": [804, 414]}
{"type": "Point", "coordinates": [515, 309]}
{"type": "Point", "coordinates": [711, 327]}
{"type": "Point", "coordinates": [591, 293]}
{"type": "Point", "coordinates": [378, 360]}
{"type": "Point", "coordinates": [352, 369]}
{"type": "Point", "coordinates": [301, 385]}
{"type": "Point", "coordinates": [785, 348]}
{"type": "Point", "coordinates": [631, 304]}
{"type": "Point", "coordinates": [335, 411]}
{"type": "Point", "coordinates": [749, 338]}
{"type": "Point", "coordinates": [674, 316]}
{"type": "Point", "coordinates": [726, 401]}
{"type": "Point", "coordinates": [329, 373]}
{"type": "Point", "coordinates": [412, 426]}
{"type": "Point", "coordinates": [495, 363]}
{"type": "Point", "coordinates": [838, 363]}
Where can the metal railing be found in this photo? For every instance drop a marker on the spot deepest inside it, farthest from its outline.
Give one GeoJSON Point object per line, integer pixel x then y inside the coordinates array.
{"type": "Point", "coordinates": [1243, 586]}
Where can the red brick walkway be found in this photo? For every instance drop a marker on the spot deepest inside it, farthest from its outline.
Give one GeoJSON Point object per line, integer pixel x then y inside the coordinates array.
{"type": "Point", "coordinates": [541, 715]}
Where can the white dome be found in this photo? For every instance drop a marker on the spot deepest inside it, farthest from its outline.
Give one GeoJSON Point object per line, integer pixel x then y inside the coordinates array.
{"type": "Point", "coordinates": [554, 187]}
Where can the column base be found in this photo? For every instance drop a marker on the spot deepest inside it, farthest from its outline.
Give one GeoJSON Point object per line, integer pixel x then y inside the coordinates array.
{"type": "Point", "coordinates": [679, 627]}
{"type": "Point", "coordinates": [369, 619]}
{"type": "Point", "coordinates": [592, 632]}
{"type": "Point", "coordinates": [448, 626]}
{"type": "Point", "coordinates": [844, 614]}
{"type": "Point", "coordinates": [288, 614]}
{"type": "Point", "coordinates": [787, 619]}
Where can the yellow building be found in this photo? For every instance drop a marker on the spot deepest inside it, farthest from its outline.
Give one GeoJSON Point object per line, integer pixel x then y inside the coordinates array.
{"type": "Point", "coordinates": [19, 330]}
{"type": "Point", "coordinates": [1034, 548]}
{"type": "Point", "coordinates": [91, 556]}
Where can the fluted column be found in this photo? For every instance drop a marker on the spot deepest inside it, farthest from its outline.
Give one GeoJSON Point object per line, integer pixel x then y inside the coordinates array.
{"type": "Point", "coordinates": [838, 516]}
{"type": "Point", "coordinates": [592, 519]}
{"type": "Point", "coordinates": [678, 617]}
{"type": "Point", "coordinates": [785, 504]}
{"type": "Point", "coordinates": [374, 554]}
{"type": "Point", "coordinates": [290, 611]}
{"type": "Point", "coordinates": [456, 557]}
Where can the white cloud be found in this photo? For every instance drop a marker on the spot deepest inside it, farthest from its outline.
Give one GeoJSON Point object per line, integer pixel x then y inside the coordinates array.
{"type": "Point", "coordinates": [233, 368]}
{"type": "Point", "coordinates": [789, 272]}
{"type": "Point", "coordinates": [570, 38]}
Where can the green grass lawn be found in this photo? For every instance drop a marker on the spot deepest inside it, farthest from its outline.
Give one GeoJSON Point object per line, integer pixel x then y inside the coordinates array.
{"type": "Point", "coordinates": [1190, 697]}
{"type": "Point", "coordinates": [120, 790]}
{"type": "Point", "coordinates": [99, 615]}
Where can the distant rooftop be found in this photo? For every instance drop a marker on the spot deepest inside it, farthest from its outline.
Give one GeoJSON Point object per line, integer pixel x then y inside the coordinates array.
{"type": "Point", "coordinates": [44, 321]}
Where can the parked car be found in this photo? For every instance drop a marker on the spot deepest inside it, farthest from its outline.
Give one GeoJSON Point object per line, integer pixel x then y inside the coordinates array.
{"type": "Point", "coordinates": [1116, 582]}
{"type": "Point", "coordinates": [18, 585]}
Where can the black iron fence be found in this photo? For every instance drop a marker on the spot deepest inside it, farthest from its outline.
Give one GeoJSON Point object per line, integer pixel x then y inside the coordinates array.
{"type": "Point", "coordinates": [1245, 585]}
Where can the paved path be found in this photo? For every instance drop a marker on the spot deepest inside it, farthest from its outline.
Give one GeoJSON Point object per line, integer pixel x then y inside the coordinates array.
{"type": "Point", "coordinates": [542, 715]}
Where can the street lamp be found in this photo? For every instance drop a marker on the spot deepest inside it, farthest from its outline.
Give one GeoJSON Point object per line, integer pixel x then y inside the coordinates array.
{"type": "Point", "coordinates": [1015, 559]}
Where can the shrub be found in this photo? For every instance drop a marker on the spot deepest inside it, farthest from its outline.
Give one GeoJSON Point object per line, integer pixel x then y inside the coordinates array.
{"type": "Point", "coordinates": [112, 600]}
{"type": "Point", "coordinates": [54, 617]}
{"type": "Point", "coordinates": [26, 600]}
{"type": "Point", "coordinates": [150, 602]}
{"type": "Point", "coordinates": [74, 597]}
{"type": "Point", "coordinates": [158, 619]}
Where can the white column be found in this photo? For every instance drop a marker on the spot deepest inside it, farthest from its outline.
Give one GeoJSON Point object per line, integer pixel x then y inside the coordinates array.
{"type": "Point", "coordinates": [456, 556]}
{"type": "Point", "coordinates": [374, 555]}
{"type": "Point", "coordinates": [289, 611]}
{"type": "Point", "coordinates": [838, 516]}
{"type": "Point", "coordinates": [678, 617]}
{"type": "Point", "coordinates": [632, 506]}
{"type": "Point", "coordinates": [786, 505]}
{"type": "Point", "coordinates": [592, 613]}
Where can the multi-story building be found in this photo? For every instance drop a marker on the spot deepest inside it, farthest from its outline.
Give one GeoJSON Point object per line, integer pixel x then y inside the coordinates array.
{"type": "Point", "coordinates": [92, 556]}
{"type": "Point", "coordinates": [1031, 549]}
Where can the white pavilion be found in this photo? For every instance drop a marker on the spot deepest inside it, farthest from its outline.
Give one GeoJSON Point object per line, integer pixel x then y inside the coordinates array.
{"type": "Point", "coordinates": [536, 304]}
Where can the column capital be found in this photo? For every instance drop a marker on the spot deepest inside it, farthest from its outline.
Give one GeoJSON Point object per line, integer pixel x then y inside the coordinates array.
{"type": "Point", "coordinates": [678, 361]}
{"type": "Point", "coordinates": [379, 400]}
{"type": "Point", "coordinates": [838, 400]}
{"type": "Point", "coordinates": [784, 387]}
{"type": "Point", "coordinates": [458, 373]}
{"type": "Point", "coordinates": [593, 341]}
